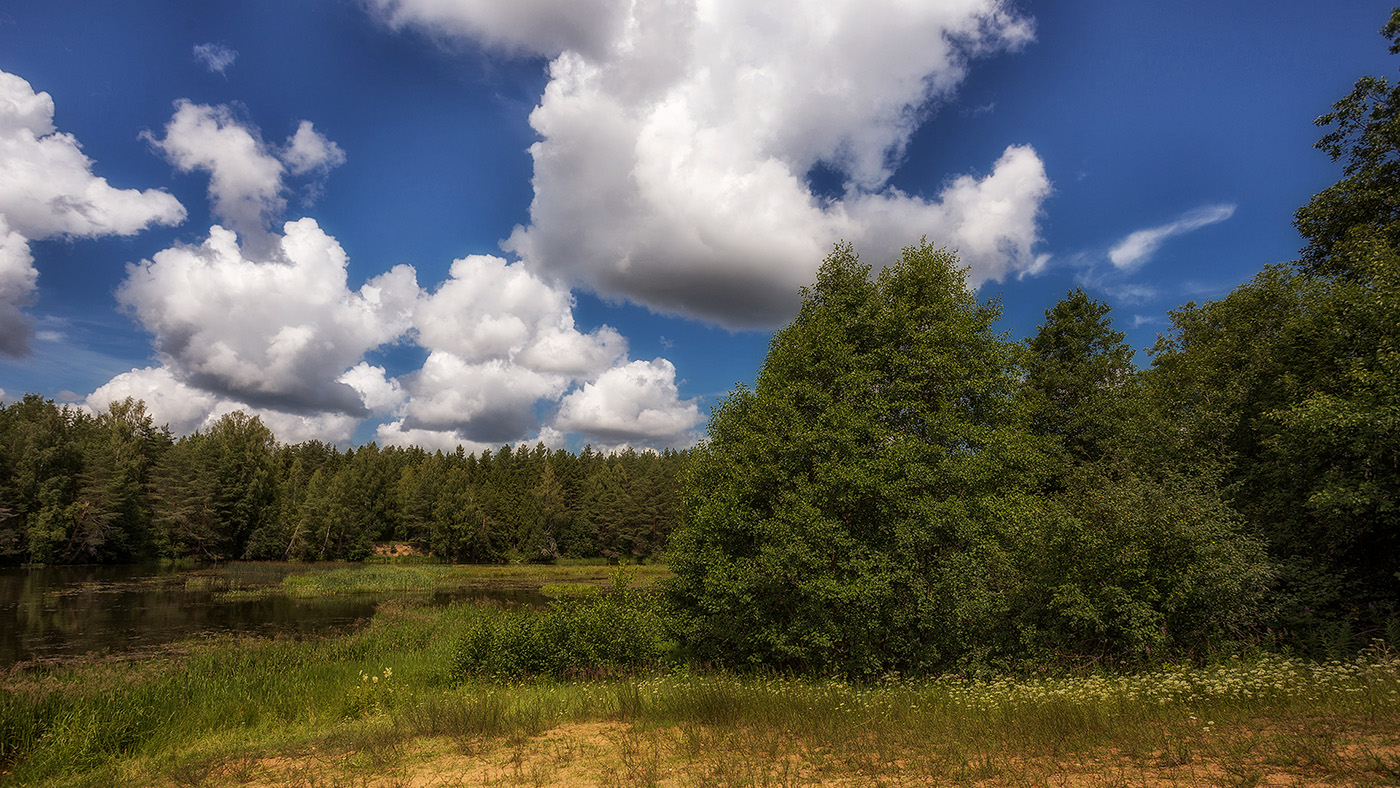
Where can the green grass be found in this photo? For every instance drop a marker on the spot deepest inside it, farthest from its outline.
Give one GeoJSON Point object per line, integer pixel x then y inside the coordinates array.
{"type": "Point", "coordinates": [378, 706]}
{"type": "Point", "coordinates": [416, 577]}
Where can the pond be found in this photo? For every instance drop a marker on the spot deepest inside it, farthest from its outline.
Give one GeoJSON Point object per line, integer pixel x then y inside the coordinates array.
{"type": "Point", "coordinates": [54, 614]}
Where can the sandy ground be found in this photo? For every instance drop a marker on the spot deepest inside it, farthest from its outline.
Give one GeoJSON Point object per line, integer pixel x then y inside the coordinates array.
{"type": "Point", "coordinates": [617, 755]}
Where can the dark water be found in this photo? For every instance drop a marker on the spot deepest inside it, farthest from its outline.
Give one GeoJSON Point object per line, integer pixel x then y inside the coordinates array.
{"type": "Point", "coordinates": [59, 613]}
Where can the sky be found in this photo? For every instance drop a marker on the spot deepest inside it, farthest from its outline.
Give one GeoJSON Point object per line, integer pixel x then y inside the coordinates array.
{"type": "Point", "coordinates": [466, 222]}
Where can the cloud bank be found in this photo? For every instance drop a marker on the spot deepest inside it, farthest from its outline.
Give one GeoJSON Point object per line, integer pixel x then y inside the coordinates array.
{"type": "Point", "coordinates": [48, 190]}
{"type": "Point", "coordinates": [1138, 247]}
{"type": "Point", "coordinates": [676, 141]}
{"type": "Point", "coordinates": [275, 329]}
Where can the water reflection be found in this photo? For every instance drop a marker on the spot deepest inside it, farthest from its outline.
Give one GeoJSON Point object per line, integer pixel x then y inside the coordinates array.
{"type": "Point", "coordinates": [56, 613]}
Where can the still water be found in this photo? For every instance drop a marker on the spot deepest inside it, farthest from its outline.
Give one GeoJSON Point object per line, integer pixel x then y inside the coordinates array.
{"type": "Point", "coordinates": [57, 613]}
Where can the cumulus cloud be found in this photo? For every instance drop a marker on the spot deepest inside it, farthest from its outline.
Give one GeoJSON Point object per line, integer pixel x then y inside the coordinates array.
{"type": "Point", "coordinates": [1138, 247]}
{"type": "Point", "coordinates": [245, 179]}
{"type": "Point", "coordinates": [278, 333]}
{"type": "Point", "coordinates": [215, 57]}
{"type": "Point", "coordinates": [17, 285]}
{"type": "Point", "coordinates": [394, 433]}
{"type": "Point", "coordinates": [540, 27]}
{"type": "Point", "coordinates": [674, 153]}
{"type": "Point", "coordinates": [309, 151]}
{"type": "Point", "coordinates": [990, 221]}
{"type": "Point", "coordinates": [637, 403]}
{"type": "Point", "coordinates": [48, 190]}
{"type": "Point", "coordinates": [267, 323]}
{"type": "Point", "coordinates": [185, 408]}
{"type": "Point", "coordinates": [245, 173]}
{"type": "Point", "coordinates": [501, 340]}
{"type": "Point", "coordinates": [285, 339]}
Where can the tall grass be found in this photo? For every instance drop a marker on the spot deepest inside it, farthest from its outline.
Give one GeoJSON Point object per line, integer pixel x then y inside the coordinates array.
{"type": "Point", "coordinates": [234, 706]}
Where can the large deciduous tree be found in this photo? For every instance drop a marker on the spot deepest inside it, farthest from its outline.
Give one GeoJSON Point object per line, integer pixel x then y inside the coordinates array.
{"type": "Point", "coordinates": [857, 511]}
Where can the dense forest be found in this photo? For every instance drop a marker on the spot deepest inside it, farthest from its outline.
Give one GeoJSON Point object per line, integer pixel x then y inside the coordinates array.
{"type": "Point", "coordinates": [114, 487]}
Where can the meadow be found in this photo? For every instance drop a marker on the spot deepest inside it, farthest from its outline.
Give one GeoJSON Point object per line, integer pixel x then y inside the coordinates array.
{"type": "Point", "coordinates": [393, 705]}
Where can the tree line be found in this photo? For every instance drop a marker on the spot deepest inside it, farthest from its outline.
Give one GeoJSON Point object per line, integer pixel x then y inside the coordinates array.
{"type": "Point", "coordinates": [77, 487]}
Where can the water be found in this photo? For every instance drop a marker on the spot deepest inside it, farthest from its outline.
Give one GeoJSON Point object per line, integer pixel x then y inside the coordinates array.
{"type": "Point", "coordinates": [55, 614]}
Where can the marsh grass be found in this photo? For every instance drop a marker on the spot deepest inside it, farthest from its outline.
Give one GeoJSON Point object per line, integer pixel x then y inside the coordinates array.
{"type": "Point", "coordinates": [415, 575]}
{"type": "Point", "coordinates": [247, 711]}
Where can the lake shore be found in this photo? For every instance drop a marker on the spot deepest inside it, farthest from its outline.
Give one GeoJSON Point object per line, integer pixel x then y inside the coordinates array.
{"type": "Point", "coordinates": [378, 707]}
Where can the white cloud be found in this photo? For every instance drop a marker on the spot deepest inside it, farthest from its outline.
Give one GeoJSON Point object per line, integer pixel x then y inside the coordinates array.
{"type": "Point", "coordinates": [309, 151]}
{"type": "Point", "coordinates": [380, 393]}
{"type": "Point", "coordinates": [637, 403]}
{"type": "Point", "coordinates": [17, 285]}
{"type": "Point", "coordinates": [489, 309]}
{"type": "Point", "coordinates": [673, 160]}
{"type": "Point", "coordinates": [267, 323]}
{"type": "Point", "coordinates": [185, 408]}
{"type": "Point", "coordinates": [543, 27]}
{"type": "Point", "coordinates": [215, 57]}
{"type": "Point", "coordinates": [394, 433]}
{"type": "Point", "coordinates": [1138, 247]}
{"type": "Point", "coordinates": [285, 339]}
{"type": "Point", "coordinates": [245, 178]}
{"type": "Point", "coordinates": [501, 340]}
{"type": "Point", "coordinates": [991, 221]}
{"type": "Point", "coordinates": [280, 333]}
{"type": "Point", "coordinates": [47, 190]}
{"type": "Point", "coordinates": [492, 401]}
{"type": "Point", "coordinates": [245, 173]}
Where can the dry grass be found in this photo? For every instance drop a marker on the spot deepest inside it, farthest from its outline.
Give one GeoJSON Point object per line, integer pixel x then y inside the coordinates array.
{"type": "Point", "coordinates": [641, 755]}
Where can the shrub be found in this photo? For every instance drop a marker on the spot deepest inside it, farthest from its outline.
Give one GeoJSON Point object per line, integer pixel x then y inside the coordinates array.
{"type": "Point", "coordinates": [620, 631]}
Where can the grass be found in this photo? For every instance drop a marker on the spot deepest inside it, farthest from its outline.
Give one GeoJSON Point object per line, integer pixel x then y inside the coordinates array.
{"type": "Point", "coordinates": [378, 708]}
{"type": "Point", "coordinates": [400, 578]}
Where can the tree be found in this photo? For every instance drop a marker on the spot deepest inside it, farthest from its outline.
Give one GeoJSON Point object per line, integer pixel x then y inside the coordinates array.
{"type": "Point", "coordinates": [1288, 388]}
{"type": "Point", "coordinates": [1079, 380]}
{"type": "Point", "coordinates": [236, 456]}
{"type": "Point", "coordinates": [857, 510]}
{"type": "Point", "coordinates": [121, 448]}
{"type": "Point", "coordinates": [1365, 204]}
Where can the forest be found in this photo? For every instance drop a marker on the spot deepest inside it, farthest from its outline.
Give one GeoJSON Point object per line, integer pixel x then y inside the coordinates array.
{"type": "Point", "coordinates": [114, 487]}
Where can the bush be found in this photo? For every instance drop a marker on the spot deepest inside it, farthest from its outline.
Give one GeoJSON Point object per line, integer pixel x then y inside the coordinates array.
{"type": "Point", "coordinates": [620, 631]}
{"type": "Point", "coordinates": [1126, 568]}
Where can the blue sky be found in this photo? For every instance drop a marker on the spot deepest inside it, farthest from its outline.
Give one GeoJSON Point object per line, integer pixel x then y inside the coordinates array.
{"type": "Point", "coordinates": [463, 222]}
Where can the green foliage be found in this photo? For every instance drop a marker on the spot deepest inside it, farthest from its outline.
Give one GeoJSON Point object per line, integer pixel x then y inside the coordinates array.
{"type": "Point", "coordinates": [1137, 556]}
{"type": "Point", "coordinates": [855, 513]}
{"type": "Point", "coordinates": [1080, 380]}
{"type": "Point", "coordinates": [114, 487]}
{"type": "Point", "coordinates": [1125, 567]}
{"type": "Point", "coordinates": [621, 631]}
{"type": "Point", "coordinates": [1286, 389]}
{"type": "Point", "coordinates": [1364, 206]}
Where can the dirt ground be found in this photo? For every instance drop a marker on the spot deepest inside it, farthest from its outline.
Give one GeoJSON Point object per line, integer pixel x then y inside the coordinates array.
{"type": "Point", "coordinates": [619, 755]}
